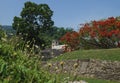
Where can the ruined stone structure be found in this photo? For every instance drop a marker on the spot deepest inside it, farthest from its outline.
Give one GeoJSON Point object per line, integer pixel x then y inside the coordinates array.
{"type": "Point", "coordinates": [102, 69]}
{"type": "Point", "coordinates": [55, 45]}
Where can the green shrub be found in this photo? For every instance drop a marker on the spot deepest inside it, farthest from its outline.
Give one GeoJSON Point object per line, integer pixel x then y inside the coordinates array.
{"type": "Point", "coordinates": [16, 67]}
{"type": "Point", "coordinates": [2, 34]}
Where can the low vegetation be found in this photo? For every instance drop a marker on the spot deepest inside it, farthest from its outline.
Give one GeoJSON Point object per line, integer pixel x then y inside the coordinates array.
{"type": "Point", "coordinates": [103, 54]}
{"type": "Point", "coordinates": [16, 67]}
{"type": "Point", "coordinates": [88, 80]}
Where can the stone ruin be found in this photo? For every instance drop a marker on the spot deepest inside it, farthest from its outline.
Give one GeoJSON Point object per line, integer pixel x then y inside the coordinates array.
{"type": "Point", "coordinates": [54, 51]}
{"type": "Point", "coordinates": [102, 69]}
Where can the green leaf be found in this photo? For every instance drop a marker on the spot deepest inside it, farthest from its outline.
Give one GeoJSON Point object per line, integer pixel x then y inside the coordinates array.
{"type": "Point", "coordinates": [0, 46]}
{"type": "Point", "coordinates": [3, 68]}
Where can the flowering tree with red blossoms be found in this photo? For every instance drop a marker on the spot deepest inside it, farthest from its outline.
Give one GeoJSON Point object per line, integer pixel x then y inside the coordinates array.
{"type": "Point", "coordinates": [101, 34]}
{"type": "Point", "coordinates": [71, 39]}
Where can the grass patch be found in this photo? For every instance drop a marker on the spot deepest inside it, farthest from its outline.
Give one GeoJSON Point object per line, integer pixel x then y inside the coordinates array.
{"type": "Point", "coordinates": [102, 54]}
{"type": "Point", "coordinates": [66, 78]}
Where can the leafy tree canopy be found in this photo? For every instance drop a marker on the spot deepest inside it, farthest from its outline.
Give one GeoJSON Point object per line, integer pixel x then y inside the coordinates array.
{"type": "Point", "coordinates": [57, 32]}
{"type": "Point", "coordinates": [34, 20]}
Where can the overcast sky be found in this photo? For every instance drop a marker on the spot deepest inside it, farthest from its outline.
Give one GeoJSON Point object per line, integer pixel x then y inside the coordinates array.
{"type": "Point", "coordinates": [67, 13]}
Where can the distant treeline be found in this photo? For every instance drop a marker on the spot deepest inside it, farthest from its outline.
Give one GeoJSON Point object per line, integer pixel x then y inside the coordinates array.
{"type": "Point", "coordinates": [8, 29]}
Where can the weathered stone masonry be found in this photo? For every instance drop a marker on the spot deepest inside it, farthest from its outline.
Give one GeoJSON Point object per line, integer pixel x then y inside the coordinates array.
{"type": "Point", "coordinates": [102, 69]}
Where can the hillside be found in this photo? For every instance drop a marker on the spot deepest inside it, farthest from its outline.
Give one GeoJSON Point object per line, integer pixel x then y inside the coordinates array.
{"type": "Point", "coordinates": [8, 29]}
{"type": "Point", "coordinates": [102, 54]}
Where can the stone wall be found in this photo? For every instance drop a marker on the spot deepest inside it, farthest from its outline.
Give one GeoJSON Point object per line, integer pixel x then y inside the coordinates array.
{"type": "Point", "coordinates": [50, 53]}
{"type": "Point", "coordinates": [109, 70]}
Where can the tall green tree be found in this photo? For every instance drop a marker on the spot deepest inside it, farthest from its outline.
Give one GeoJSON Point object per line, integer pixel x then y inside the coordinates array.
{"type": "Point", "coordinates": [57, 32]}
{"type": "Point", "coordinates": [34, 20]}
